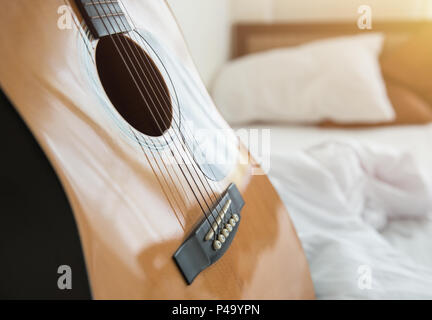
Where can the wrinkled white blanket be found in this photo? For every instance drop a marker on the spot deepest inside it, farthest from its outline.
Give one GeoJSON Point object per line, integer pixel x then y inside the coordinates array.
{"type": "Point", "coordinates": [340, 195]}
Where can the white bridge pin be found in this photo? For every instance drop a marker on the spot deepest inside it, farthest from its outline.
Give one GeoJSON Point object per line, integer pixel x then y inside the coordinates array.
{"type": "Point", "coordinates": [217, 244]}
{"type": "Point", "coordinates": [225, 232]}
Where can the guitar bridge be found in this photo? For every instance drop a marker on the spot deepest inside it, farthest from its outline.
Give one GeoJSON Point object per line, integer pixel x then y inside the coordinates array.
{"type": "Point", "coordinates": [213, 236]}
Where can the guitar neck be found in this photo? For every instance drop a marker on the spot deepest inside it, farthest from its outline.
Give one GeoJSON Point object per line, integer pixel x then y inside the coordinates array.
{"type": "Point", "coordinates": [103, 17]}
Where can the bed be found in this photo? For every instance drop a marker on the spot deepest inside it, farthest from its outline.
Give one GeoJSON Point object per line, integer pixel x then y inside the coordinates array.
{"type": "Point", "coordinates": [351, 257]}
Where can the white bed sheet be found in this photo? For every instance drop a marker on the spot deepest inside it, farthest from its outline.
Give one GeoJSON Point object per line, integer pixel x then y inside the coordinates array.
{"type": "Point", "coordinates": [410, 239]}
{"type": "Point", "coordinates": [414, 139]}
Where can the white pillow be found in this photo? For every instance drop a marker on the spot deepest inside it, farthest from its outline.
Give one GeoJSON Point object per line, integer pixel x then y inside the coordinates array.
{"type": "Point", "coordinates": [336, 79]}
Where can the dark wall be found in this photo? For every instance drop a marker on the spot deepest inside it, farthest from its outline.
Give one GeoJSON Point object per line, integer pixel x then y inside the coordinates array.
{"type": "Point", "coordinates": [38, 232]}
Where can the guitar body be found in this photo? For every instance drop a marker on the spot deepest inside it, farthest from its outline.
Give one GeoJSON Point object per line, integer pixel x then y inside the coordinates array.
{"type": "Point", "coordinates": [133, 206]}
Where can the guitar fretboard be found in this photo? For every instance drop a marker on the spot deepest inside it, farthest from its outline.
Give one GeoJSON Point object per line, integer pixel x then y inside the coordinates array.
{"type": "Point", "coordinates": [103, 17]}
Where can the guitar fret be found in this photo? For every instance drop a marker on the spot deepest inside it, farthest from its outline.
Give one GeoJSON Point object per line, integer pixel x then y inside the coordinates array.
{"type": "Point", "coordinates": [103, 17]}
{"type": "Point", "coordinates": [107, 15]}
{"type": "Point", "coordinates": [94, 3]}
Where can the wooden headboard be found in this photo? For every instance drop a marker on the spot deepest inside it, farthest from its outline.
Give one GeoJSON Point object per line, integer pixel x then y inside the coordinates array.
{"type": "Point", "coordinates": [255, 37]}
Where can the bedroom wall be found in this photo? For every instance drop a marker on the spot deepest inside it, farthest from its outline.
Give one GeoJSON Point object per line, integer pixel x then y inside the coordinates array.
{"type": "Point", "coordinates": [324, 10]}
{"type": "Point", "coordinates": [206, 24]}
{"type": "Point", "coordinates": [206, 27]}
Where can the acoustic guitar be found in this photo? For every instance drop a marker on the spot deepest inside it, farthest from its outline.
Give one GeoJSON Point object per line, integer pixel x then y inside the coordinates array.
{"type": "Point", "coordinates": [168, 203]}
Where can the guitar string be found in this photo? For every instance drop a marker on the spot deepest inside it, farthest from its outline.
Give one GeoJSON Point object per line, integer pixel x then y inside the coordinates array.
{"type": "Point", "coordinates": [159, 167]}
{"type": "Point", "coordinates": [158, 179]}
{"type": "Point", "coordinates": [221, 225]}
{"type": "Point", "coordinates": [79, 28]}
{"type": "Point", "coordinates": [149, 108]}
{"type": "Point", "coordinates": [84, 39]}
{"type": "Point", "coordinates": [173, 194]}
{"type": "Point", "coordinates": [162, 186]}
{"type": "Point", "coordinates": [165, 97]}
{"type": "Point", "coordinates": [151, 151]}
{"type": "Point", "coordinates": [145, 88]}
{"type": "Point", "coordinates": [157, 97]}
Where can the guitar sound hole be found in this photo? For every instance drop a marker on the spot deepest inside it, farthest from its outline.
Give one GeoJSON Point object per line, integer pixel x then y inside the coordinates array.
{"type": "Point", "coordinates": [134, 84]}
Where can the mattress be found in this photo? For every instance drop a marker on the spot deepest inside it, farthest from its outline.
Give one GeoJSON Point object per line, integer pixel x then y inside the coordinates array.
{"type": "Point", "coordinates": [399, 255]}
